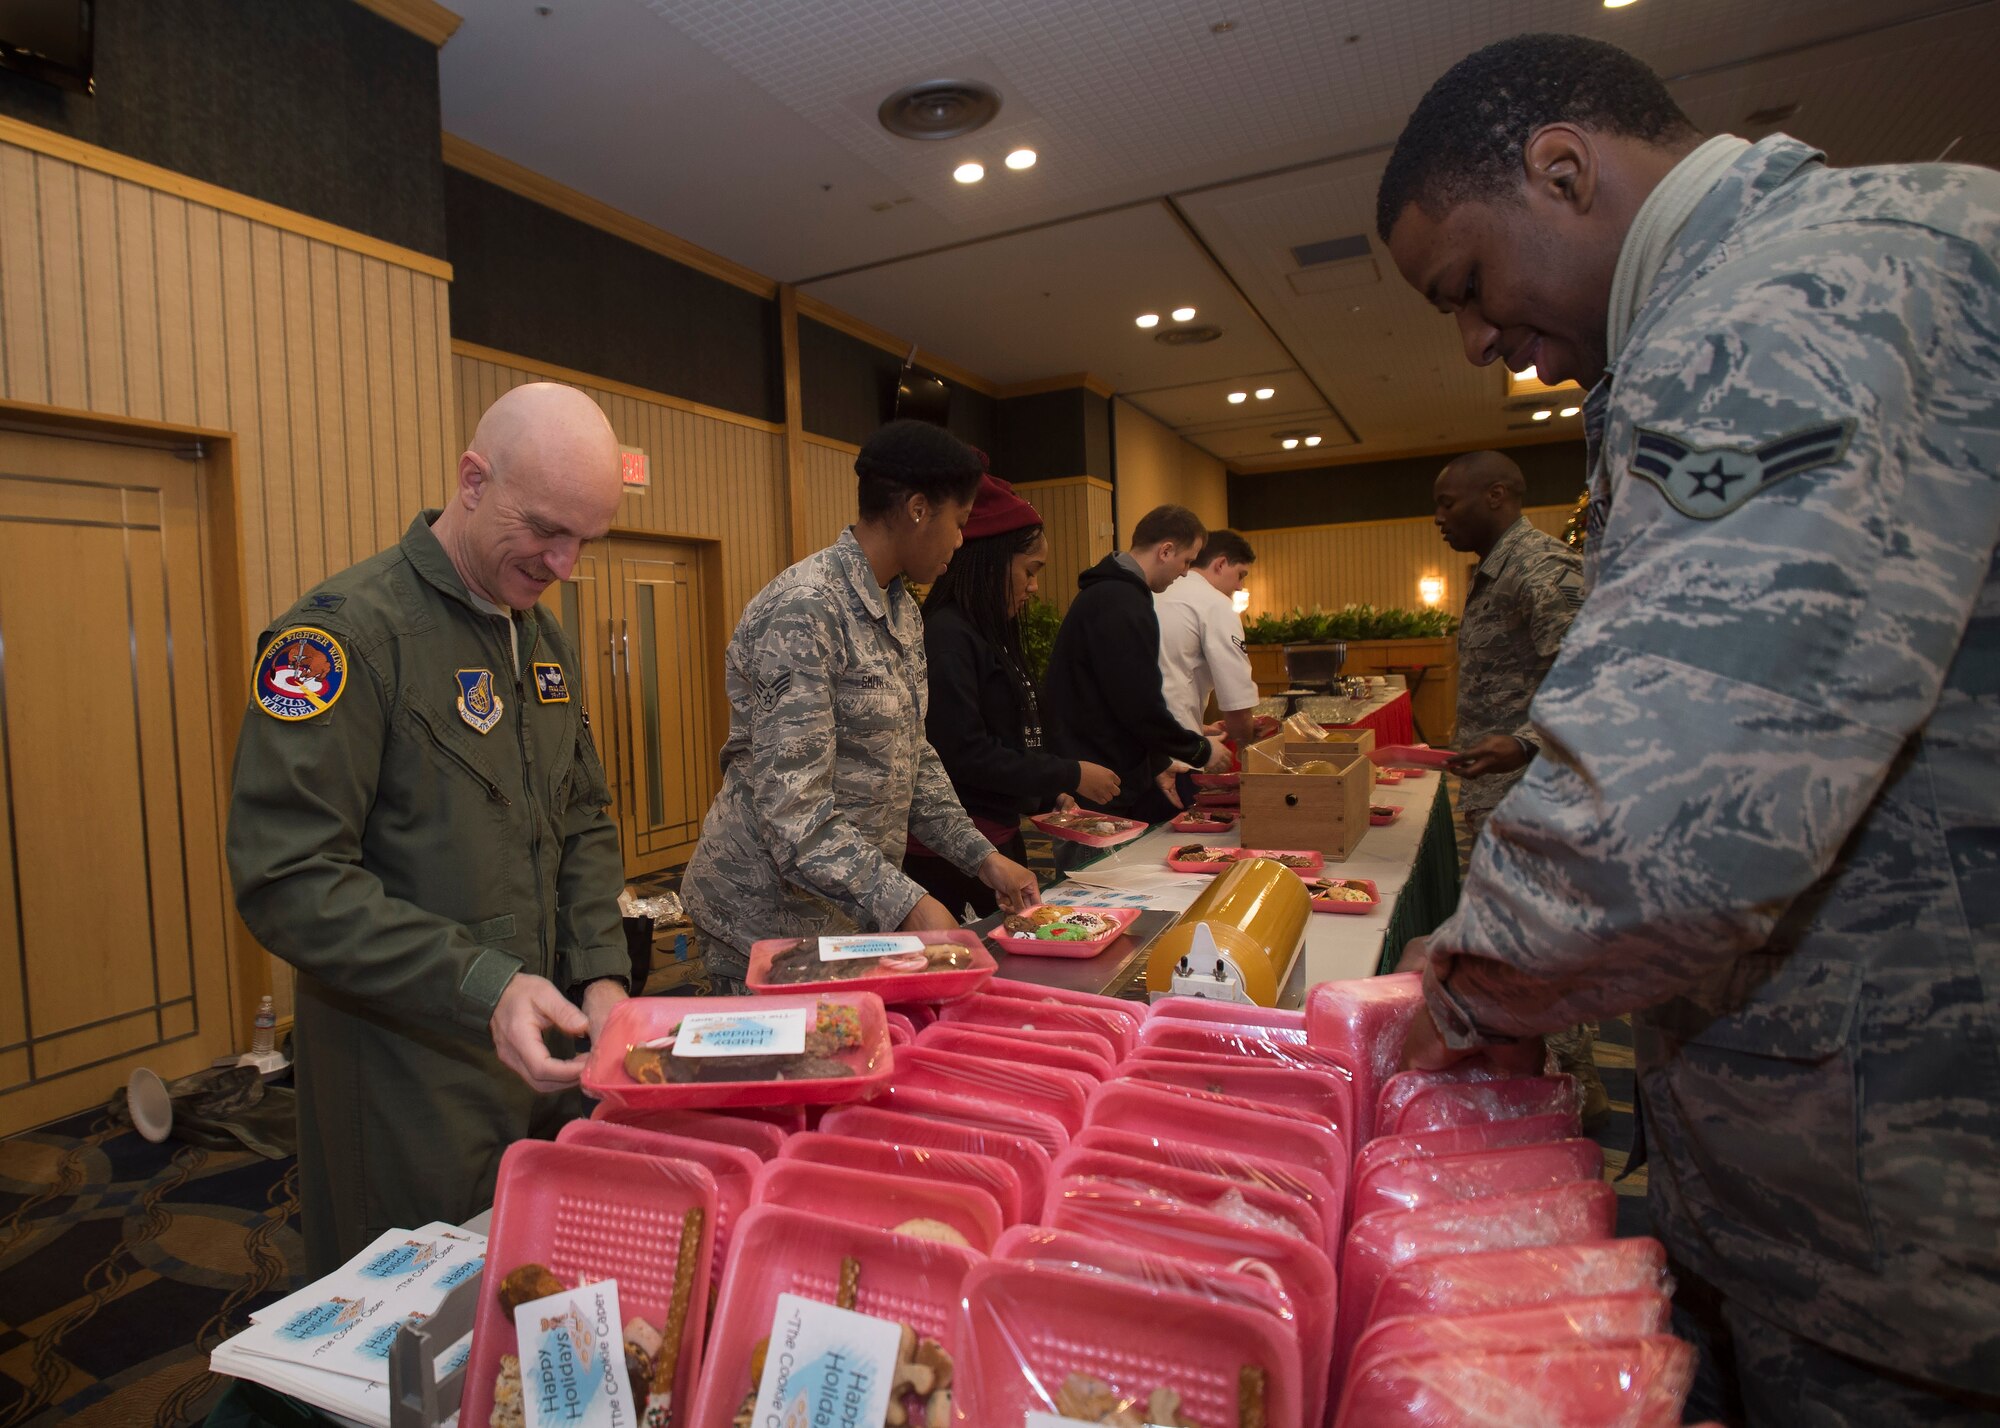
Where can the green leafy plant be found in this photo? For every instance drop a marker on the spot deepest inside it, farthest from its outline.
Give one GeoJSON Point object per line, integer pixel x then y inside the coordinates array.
{"type": "Point", "coordinates": [1039, 622]}
{"type": "Point", "coordinates": [1350, 622]}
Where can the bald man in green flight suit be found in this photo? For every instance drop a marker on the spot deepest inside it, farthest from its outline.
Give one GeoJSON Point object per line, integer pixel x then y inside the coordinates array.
{"type": "Point", "coordinates": [418, 825]}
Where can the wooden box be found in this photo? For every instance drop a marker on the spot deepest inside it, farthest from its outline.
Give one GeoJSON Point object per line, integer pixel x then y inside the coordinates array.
{"type": "Point", "coordinates": [1283, 808]}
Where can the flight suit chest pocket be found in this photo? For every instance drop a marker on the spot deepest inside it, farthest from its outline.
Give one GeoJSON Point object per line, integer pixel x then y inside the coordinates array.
{"type": "Point", "coordinates": [1767, 1125]}
{"type": "Point", "coordinates": [450, 754]}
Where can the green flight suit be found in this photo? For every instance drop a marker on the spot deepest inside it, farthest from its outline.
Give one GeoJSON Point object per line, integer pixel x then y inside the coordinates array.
{"type": "Point", "coordinates": [408, 865]}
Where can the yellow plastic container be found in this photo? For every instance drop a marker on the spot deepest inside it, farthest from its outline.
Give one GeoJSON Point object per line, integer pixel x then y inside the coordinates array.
{"type": "Point", "coordinates": [1257, 912]}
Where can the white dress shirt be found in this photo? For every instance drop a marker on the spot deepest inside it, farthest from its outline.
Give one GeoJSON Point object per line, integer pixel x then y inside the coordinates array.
{"type": "Point", "coordinates": [1202, 649]}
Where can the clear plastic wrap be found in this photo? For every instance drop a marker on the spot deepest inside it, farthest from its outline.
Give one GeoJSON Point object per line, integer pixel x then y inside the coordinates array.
{"type": "Point", "coordinates": [760, 1138]}
{"type": "Point", "coordinates": [1399, 1088]}
{"type": "Point", "coordinates": [1076, 827]}
{"type": "Point", "coordinates": [992, 1009]}
{"type": "Point", "coordinates": [1462, 1140]}
{"type": "Point", "coordinates": [1629, 1383]}
{"type": "Point", "coordinates": [1323, 1196]}
{"type": "Point", "coordinates": [1228, 1013]}
{"type": "Point", "coordinates": [1030, 1163]}
{"type": "Point", "coordinates": [869, 1197]}
{"type": "Point", "coordinates": [1156, 1111]}
{"type": "Point", "coordinates": [1099, 1046]}
{"type": "Point", "coordinates": [1062, 1249]}
{"type": "Point", "coordinates": [988, 1174]}
{"type": "Point", "coordinates": [1481, 1102]}
{"type": "Point", "coordinates": [1060, 1094]}
{"type": "Point", "coordinates": [845, 1057]}
{"type": "Point", "coordinates": [734, 1169]}
{"type": "Point", "coordinates": [790, 965]}
{"type": "Point", "coordinates": [918, 1014]}
{"type": "Point", "coordinates": [1567, 1214]}
{"type": "Point", "coordinates": [1592, 1319]}
{"type": "Point", "coordinates": [1198, 1092]}
{"type": "Point", "coordinates": [900, 1278]}
{"type": "Point", "coordinates": [1326, 1096]}
{"type": "Point", "coordinates": [1270, 1045]}
{"type": "Point", "coordinates": [1198, 1237]}
{"type": "Point", "coordinates": [1017, 1049]}
{"type": "Point", "coordinates": [1045, 1130]}
{"type": "Point", "coordinates": [1049, 1340]}
{"type": "Point", "coordinates": [1515, 1278]}
{"type": "Point", "coordinates": [1422, 1182]}
{"type": "Point", "coordinates": [589, 1215]}
{"type": "Point", "coordinates": [1365, 1019]}
{"type": "Point", "coordinates": [1246, 1204]}
{"type": "Point", "coordinates": [1127, 1014]}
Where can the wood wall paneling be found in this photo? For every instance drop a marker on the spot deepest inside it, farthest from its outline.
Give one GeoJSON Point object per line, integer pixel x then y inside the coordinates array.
{"type": "Point", "coordinates": [1076, 522]}
{"type": "Point", "coordinates": [828, 490]}
{"type": "Point", "coordinates": [1364, 562]}
{"type": "Point", "coordinates": [326, 364]}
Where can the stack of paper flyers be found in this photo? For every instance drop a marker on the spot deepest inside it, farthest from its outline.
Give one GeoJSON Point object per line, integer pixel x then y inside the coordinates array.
{"type": "Point", "coordinates": [328, 1343]}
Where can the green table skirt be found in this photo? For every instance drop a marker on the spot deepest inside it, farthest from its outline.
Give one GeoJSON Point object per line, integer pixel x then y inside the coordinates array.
{"type": "Point", "coordinates": [1431, 894]}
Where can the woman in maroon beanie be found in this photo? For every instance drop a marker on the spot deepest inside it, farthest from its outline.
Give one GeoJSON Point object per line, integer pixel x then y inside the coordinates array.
{"type": "Point", "coordinates": [985, 713]}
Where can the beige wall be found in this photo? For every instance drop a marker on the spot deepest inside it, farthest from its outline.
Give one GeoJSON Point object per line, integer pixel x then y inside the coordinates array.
{"type": "Point", "coordinates": [712, 475]}
{"type": "Point", "coordinates": [1076, 519]}
{"type": "Point", "coordinates": [829, 486]}
{"type": "Point", "coordinates": [1364, 562]}
{"type": "Point", "coordinates": [1157, 468]}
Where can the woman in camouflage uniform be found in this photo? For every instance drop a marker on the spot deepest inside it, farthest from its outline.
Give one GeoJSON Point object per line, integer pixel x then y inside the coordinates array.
{"type": "Point", "coordinates": [826, 770]}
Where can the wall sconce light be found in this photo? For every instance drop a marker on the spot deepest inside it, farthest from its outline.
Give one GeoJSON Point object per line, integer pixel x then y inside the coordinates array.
{"type": "Point", "coordinates": [1431, 589]}
{"type": "Point", "coordinates": [1240, 601]}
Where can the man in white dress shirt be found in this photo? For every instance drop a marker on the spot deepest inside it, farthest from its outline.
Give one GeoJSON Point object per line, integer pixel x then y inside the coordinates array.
{"type": "Point", "coordinates": [1201, 640]}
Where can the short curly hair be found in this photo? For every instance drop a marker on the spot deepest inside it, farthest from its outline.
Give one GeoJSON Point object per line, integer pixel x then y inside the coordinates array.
{"type": "Point", "coordinates": [1465, 139]}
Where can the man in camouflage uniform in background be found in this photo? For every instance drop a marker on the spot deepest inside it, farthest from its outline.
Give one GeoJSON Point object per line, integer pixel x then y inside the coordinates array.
{"type": "Point", "coordinates": [1525, 590]}
{"type": "Point", "coordinates": [1765, 816]}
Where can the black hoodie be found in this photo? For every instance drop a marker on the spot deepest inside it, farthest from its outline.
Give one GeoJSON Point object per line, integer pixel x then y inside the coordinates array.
{"type": "Point", "coordinates": [1104, 699]}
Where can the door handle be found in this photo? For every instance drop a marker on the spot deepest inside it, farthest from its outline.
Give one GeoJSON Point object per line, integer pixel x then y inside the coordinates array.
{"type": "Point", "coordinates": [625, 639]}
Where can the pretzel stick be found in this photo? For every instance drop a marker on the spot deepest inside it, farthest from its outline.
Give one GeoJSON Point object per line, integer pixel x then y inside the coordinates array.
{"type": "Point", "coordinates": [660, 1397]}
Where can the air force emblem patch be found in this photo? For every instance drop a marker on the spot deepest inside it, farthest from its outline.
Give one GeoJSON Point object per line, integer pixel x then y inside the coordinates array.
{"type": "Point", "coordinates": [478, 705]}
{"type": "Point", "coordinates": [1710, 481]}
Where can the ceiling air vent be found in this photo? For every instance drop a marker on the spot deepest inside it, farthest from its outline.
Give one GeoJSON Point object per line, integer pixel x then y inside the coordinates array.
{"type": "Point", "coordinates": [939, 109]}
{"type": "Point", "coordinates": [1188, 336]}
{"type": "Point", "coordinates": [1331, 250]}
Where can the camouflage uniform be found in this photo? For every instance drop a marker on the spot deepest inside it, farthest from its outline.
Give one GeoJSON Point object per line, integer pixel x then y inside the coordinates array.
{"type": "Point", "coordinates": [826, 769]}
{"type": "Point", "coordinates": [1766, 810]}
{"type": "Point", "coordinates": [1524, 595]}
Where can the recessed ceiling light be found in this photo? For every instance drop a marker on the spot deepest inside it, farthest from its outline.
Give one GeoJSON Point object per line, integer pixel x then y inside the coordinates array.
{"type": "Point", "coordinates": [1235, 397]}
{"type": "Point", "coordinates": [1569, 411]}
{"type": "Point", "coordinates": [1616, 4]}
{"type": "Point", "coordinates": [1290, 442]}
{"type": "Point", "coordinates": [1264, 394]}
{"type": "Point", "coordinates": [1148, 319]}
{"type": "Point", "coordinates": [1543, 415]}
{"type": "Point", "coordinates": [1312, 441]}
{"type": "Point", "coordinates": [1021, 159]}
{"type": "Point", "coordinates": [969, 173]}
{"type": "Point", "coordinates": [1183, 314]}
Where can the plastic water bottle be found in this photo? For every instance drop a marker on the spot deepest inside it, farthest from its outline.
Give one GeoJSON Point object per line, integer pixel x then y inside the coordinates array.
{"type": "Point", "coordinates": [262, 1043]}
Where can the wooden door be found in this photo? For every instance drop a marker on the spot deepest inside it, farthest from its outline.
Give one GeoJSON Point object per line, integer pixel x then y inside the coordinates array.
{"type": "Point", "coordinates": [112, 890]}
{"type": "Point", "coordinates": [636, 611]}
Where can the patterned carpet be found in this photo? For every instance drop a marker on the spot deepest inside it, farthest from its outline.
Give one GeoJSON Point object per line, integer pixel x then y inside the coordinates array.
{"type": "Point", "coordinates": [122, 1263]}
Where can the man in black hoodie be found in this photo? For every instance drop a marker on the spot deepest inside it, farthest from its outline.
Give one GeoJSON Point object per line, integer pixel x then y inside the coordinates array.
{"type": "Point", "coordinates": [1104, 699]}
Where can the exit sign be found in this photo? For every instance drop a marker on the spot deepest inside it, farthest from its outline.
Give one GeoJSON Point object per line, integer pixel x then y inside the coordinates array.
{"type": "Point", "coordinates": [632, 465]}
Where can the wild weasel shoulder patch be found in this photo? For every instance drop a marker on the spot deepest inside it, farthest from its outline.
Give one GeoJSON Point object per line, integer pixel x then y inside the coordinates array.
{"type": "Point", "coordinates": [300, 674]}
{"type": "Point", "coordinates": [1710, 481]}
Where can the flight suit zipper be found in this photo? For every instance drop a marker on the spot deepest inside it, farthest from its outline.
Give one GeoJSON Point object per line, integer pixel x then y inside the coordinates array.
{"type": "Point", "coordinates": [526, 746]}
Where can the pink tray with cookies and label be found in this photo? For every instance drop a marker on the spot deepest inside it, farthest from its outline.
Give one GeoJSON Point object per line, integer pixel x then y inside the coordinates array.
{"type": "Point", "coordinates": [1218, 780]}
{"type": "Point", "coordinates": [945, 967]}
{"type": "Point", "coordinates": [740, 1051]}
{"type": "Point", "coordinates": [1411, 756]}
{"type": "Point", "coordinates": [1067, 936]}
{"type": "Point", "coordinates": [1381, 815]}
{"type": "Point", "coordinates": [1204, 820]}
{"type": "Point", "coordinates": [1305, 860]}
{"type": "Point", "coordinates": [1323, 899]}
{"type": "Point", "coordinates": [1078, 827]}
